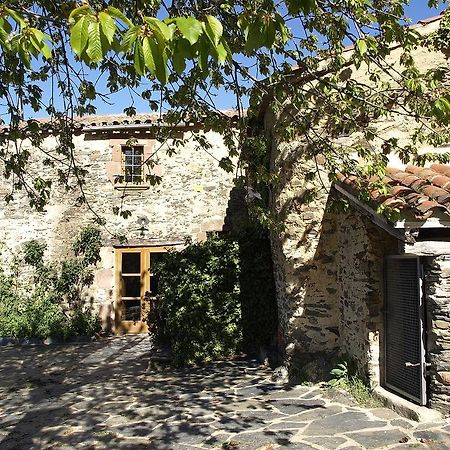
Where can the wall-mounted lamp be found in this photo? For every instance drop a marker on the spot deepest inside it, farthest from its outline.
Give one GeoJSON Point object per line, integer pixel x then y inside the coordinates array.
{"type": "Point", "coordinates": [142, 222]}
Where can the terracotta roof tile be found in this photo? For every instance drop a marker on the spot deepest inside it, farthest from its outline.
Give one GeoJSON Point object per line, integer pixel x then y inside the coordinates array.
{"type": "Point", "coordinates": [400, 191]}
{"type": "Point", "coordinates": [441, 169]}
{"type": "Point", "coordinates": [424, 192]}
{"type": "Point", "coordinates": [111, 120]}
{"type": "Point", "coordinates": [441, 181]}
{"type": "Point", "coordinates": [436, 192]}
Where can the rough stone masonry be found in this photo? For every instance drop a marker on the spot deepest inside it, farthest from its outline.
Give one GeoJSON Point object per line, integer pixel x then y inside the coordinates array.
{"type": "Point", "coordinates": [191, 200]}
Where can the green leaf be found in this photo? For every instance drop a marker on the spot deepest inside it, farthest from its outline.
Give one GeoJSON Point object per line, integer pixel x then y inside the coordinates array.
{"type": "Point", "coordinates": [297, 6]}
{"type": "Point", "coordinates": [226, 164]}
{"type": "Point", "coordinates": [139, 62]}
{"type": "Point", "coordinates": [3, 36]}
{"type": "Point", "coordinates": [185, 49]}
{"type": "Point", "coordinates": [160, 58]}
{"type": "Point", "coordinates": [129, 39]}
{"type": "Point", "coordinates": [16, 16]}
{"type": "Point", "coordinates": [214, 29]}
{"type": "Point", "coordinates": [34, 47]}
{"type": "Point", "coordinates": [179, 63]}
{"type": "Point", "coordinates": [148, 55]}
{"type": "Point", "coordinates": [256, 36]}
{"type": "Point", "coordinates": [81, 10]}
{"type": "Point", "coordinates": [203, 53]}
{"type": "Point", "coordinates": [39, 34]}
{"type": "Point", "coordinates": [222, 52]}
{"type": "Point", "coordinates": [114, 12]}
{"type": "Point", "coordinates": [178, 58]}
{"type": "Point", "coordinates": [94, 50]}
{"type": "Point", "coordinates": [24, 56]}
{"type": "Point", "coordinates": [362, 46]}
{"type": "Point", "coordinates": [79, 35]}
{"type": "Point", "coordinates": [280, 26]}
{"type": "Point", "coordinates": [441, 108]}
{"type": "Point", "coordinates": [270, 34]}
{"type": "Point", "coordinates": [37, 39]}
{"type": "Point", "coordinates": [108, 27]}
{"type": "Point", "coordinates": [5, 30]}
{"type": "Point", "coordinates": [159, 27]}
{"type": "Point", "coordinates": [190, 28]}
{"type": "Point", "coordinates": [116, 45]}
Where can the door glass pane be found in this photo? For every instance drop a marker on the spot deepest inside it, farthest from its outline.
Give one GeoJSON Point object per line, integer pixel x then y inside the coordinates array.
{"type": "Point", "coordinates": [132, 310]}
{"type": "Point", "coordinates": [131, 286]}
{"type": "Point", "coordinates": [131, 263]}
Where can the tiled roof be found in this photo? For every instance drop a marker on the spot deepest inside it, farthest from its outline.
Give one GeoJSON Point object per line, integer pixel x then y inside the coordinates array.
{"type": "Point", "coordinates": [139, 118]}
{"type": "Point", "coordinates": [99, 120]}
{"type": "Point", "coordinates": [424, 192]}
{"type": "Point", "coordinates": [118, 119]}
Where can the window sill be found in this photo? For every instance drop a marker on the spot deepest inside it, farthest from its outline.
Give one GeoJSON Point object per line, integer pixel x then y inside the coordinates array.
{"type": "Point", "coordinates": [132, 187]}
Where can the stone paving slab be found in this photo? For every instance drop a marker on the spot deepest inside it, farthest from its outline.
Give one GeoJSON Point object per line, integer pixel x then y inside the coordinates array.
{"type": "Point", "coordinates": [102, 395]}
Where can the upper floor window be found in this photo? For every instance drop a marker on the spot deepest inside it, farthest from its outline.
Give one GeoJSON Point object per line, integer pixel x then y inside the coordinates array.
{"type": "Point", "coordinates": [133, 164]}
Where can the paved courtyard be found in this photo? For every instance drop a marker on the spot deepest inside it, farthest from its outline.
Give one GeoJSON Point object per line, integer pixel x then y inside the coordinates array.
{"type": "Point", "coordinates": [102, 395]}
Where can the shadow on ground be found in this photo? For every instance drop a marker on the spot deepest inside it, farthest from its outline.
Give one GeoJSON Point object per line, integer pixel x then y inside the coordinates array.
{"type": "Point", "coordinates": [102, 395]}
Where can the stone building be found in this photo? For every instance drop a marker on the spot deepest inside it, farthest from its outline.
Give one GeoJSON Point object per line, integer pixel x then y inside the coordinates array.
{"type": "Point", "coordinates": [191, 200]}
{"type": "Point", "coordinates": [352, 283]}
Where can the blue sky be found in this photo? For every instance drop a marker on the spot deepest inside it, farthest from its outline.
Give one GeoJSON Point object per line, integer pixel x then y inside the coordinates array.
{"type": "Point", "coordinates": [417, 10]}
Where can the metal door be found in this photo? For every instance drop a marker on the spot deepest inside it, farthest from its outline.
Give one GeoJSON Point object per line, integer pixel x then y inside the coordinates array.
{"type": "Point", "coordinates": [404, 328]}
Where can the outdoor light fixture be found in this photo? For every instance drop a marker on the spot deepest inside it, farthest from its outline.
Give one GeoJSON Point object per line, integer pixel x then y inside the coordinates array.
{"type": "Point", "coordinates": [142, 222]}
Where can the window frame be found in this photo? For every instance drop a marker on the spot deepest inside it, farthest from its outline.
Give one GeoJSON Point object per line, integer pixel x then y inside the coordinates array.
{"type": "Point", "coordinates": [133, 165]}
{"type": "Point", "coordinates": [114, 167]}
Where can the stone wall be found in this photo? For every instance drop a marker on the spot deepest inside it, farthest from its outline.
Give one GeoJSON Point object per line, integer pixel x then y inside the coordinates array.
{"type": "Point", "coordinates": [362, 247]}
{"type": "Point", "coordinates": [191, 201]}
{"type": "Point", "coordinates": [328, 271]}
{"type": "Point", "coordinates": [437, 289]}
{"type": "Point", "coordinates": [304, 260]}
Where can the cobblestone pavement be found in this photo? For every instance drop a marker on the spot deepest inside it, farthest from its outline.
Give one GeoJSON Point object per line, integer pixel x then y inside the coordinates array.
{"type": "Point", "coordinates": [101, 395]}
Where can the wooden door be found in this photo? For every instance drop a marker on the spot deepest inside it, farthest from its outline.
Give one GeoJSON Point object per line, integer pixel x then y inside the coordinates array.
{"type": "Point", "coordinates": [137, 284]}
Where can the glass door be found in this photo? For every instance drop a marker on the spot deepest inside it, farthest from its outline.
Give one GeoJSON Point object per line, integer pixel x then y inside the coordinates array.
{"type": "Point", "coordinates": [137, 282]}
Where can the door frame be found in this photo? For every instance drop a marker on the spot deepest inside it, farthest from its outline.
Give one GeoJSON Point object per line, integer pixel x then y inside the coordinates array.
{"type": "Point", "coordinates": [130, 326]}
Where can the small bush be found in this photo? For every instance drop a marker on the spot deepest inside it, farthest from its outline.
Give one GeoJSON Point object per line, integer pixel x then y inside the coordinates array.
{"type": "Point", "coordinates": [31, 317]}
{"type": "Point", "coordinates": [51, 303]}
{"type": "Point", "coordinates": [199, 304]}
{"type": "Point", "coordinates": [84, 322]}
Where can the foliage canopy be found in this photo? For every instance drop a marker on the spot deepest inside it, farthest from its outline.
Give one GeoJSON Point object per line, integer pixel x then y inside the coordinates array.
{"type": "Point", "coordinates": [60, 58]}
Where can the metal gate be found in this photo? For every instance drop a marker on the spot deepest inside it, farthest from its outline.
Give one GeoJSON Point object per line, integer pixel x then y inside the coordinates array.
{"type": "Point", "coordinates": [404, 328]}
